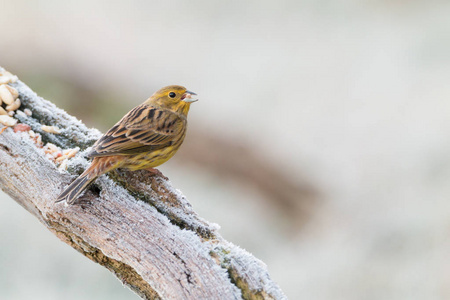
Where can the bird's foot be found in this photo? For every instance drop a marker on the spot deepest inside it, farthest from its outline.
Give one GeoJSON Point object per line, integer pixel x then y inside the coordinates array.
{"type": "Point", "coordinates": [156, 172]}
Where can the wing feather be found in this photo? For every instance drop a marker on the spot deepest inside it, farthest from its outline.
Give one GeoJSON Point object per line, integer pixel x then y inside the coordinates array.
{"type": "Point", "coordinates": [143, 129]}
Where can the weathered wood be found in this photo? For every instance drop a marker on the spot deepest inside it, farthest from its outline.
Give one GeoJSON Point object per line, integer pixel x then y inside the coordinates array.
{"type": "Point", "coordinates": [137, 226]}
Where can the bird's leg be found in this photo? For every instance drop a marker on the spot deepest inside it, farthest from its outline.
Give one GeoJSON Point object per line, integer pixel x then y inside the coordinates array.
{"type": "Point", "coordinates": [156, 172]}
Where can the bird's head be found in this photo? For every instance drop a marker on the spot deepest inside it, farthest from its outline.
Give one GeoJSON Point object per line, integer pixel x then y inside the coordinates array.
{"type": "Point", "coordinates": [173, 97]}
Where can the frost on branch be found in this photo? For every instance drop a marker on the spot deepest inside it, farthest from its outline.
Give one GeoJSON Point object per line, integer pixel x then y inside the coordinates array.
{"type": "Point", "coordinates": [137, 226]}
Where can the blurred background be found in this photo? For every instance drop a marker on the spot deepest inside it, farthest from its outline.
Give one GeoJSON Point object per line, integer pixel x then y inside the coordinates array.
{"type": "Point", "coordinates": [320, 142]}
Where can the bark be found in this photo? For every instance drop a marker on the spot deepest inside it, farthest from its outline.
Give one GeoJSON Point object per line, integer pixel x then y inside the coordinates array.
{"type": "Point", "coordinates": [137, 226]}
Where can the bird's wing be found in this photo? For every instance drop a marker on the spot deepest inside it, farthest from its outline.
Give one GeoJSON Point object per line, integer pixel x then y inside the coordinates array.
{"type": "Point", "coordinates": [143, 129]}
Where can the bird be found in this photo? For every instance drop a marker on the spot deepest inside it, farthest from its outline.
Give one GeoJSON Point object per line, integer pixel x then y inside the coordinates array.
{"type": "Point", "coordinates": [146, 137]}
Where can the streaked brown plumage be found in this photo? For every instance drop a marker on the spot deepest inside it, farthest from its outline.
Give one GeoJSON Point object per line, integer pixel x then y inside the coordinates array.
{"type": "Point", "coordinates": [146, 137]}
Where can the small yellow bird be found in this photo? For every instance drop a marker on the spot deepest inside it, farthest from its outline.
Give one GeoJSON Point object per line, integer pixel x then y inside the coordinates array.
{"type": "Point", "coordinates": [146, 137]}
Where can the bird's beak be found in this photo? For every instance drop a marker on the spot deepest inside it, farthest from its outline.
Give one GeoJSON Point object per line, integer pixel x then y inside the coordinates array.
{"type": "Point", "coordinates": [189, 97]}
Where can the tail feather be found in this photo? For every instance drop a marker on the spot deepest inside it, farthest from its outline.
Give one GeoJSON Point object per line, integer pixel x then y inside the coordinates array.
{"type": "Point", "coordinates": [71, 193]}
{"type": "Point", "coordinates": [99, 166]}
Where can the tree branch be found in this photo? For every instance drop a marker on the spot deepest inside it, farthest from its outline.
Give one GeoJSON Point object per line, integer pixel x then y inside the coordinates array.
{"type": "Point", "coordinates": [137, 226]}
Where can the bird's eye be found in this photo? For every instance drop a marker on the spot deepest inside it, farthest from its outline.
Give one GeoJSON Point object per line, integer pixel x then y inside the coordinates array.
{"type": "Point", "coordinates": [172, 95]}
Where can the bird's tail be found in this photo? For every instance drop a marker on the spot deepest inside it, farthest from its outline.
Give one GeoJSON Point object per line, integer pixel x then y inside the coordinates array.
{"type": "Point", "coordinates": [99, 166]}
{"type": "Point", "coordinates": [71, 193]}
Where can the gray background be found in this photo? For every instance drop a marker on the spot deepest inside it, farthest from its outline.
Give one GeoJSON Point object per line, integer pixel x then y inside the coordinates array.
{"type": "Point", "coordinates": [350, 97]}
